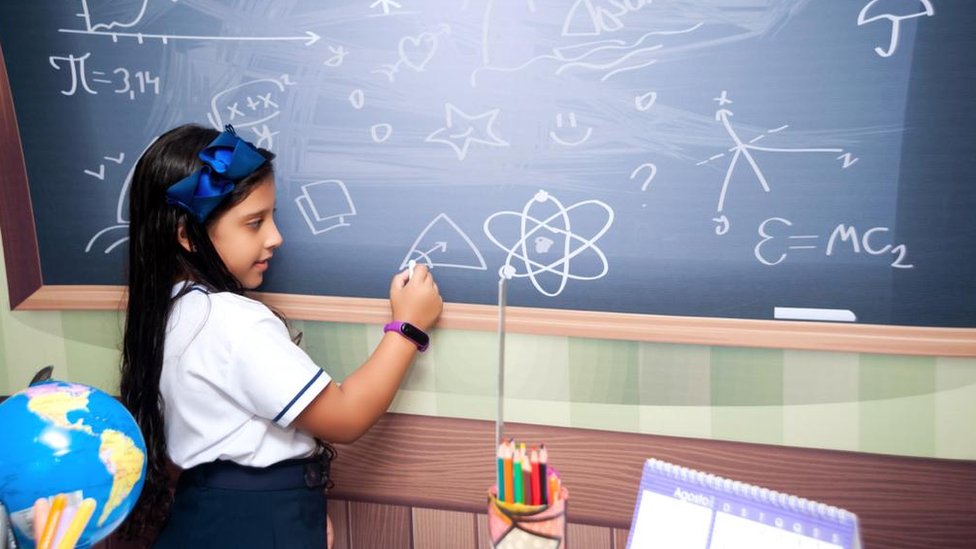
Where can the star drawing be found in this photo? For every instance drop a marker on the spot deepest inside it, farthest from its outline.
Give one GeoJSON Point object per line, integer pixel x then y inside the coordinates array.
{"type": "Point", "coordinates": [463, 129]}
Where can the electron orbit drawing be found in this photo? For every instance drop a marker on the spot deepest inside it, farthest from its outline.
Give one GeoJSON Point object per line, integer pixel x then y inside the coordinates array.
{"type": "Point", "coordinates": [538, 248]}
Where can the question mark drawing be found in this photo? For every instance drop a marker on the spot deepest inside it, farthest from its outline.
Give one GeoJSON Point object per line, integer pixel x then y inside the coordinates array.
{"type": "Point", "coordinates": [652, 171]}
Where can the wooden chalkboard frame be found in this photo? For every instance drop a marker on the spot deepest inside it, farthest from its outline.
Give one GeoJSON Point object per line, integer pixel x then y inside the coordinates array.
{"type": "Point", "coordinates": [28, 292]}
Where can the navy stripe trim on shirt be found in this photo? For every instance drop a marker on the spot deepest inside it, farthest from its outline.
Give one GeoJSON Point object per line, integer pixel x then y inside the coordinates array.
{"type": "Point", "coordinates": [300, 393]}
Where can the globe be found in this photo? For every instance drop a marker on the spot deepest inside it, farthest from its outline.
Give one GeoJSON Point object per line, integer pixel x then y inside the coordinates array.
{"type": "Point", "coordinates": [69, 438]}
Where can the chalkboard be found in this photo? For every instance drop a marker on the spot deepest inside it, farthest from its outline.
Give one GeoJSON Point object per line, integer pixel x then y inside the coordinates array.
{"type": "Point", "coordinates": [690, 158]}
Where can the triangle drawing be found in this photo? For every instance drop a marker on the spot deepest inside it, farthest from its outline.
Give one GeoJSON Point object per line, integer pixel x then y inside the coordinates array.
{"type": "Point", "coordinates": [443, 244]}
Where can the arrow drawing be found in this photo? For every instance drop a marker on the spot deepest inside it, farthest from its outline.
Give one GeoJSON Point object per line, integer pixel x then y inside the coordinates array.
{"type": "Point", "coordinates": [309, 37]}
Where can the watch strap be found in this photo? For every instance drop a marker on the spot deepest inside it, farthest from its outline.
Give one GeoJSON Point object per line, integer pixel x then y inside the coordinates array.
{"type": "Point", "coordinates": [414, 334]}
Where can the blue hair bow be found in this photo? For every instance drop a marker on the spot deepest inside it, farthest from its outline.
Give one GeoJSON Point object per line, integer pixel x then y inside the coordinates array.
{"type": "Point", "coordinates": [227, 160]}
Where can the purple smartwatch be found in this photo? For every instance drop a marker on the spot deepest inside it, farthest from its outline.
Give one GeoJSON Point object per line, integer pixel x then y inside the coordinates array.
{"type": "Point", "coordinates": [411, 332]}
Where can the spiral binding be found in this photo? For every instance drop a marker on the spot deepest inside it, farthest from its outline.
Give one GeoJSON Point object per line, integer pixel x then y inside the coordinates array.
{"type": "Point", "coordinates": [752, 492]}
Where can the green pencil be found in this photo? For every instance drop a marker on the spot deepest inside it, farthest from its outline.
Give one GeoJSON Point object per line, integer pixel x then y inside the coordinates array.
{"type": "Point", "coordinates": [517, 474]}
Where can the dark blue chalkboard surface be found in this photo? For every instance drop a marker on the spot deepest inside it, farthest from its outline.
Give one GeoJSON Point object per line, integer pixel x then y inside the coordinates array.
{"type": "Point", "coordinates": [691, 158]}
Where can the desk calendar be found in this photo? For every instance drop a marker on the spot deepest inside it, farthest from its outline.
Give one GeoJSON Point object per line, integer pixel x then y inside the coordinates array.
{"type": "Point", "coordinates": [681, 508]}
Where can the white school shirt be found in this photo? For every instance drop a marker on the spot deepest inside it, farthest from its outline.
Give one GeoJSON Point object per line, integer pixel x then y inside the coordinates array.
{"type": "Point", "coordinates": [232, 382]}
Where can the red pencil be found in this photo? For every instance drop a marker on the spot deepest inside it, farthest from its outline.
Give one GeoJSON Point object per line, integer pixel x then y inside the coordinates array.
{"type": "Point", "coordinates": [534, 461]}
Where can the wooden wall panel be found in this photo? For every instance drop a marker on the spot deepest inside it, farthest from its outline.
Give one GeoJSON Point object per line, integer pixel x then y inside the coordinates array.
{"type": "Point", "coordinates": [590, 537]}
{"type": "Point", "coordinates": [483, 541]}
{"type": "Point", "coordinates": [373, 525]}
{"type": "Point", "coordinates": [338, 511]}
{"type": "Point", "coordinates": [620, 538]}
{"type": "Point", "coordinates": [438, 529]}
{"type": "Point", "coordinates": [902, 502]}
{"type": "Point", "coordinates": [382, 479]}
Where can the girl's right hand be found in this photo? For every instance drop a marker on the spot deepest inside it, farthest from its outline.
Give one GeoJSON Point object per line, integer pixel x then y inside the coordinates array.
{"type": "Point", "coordinates": [416, 300]}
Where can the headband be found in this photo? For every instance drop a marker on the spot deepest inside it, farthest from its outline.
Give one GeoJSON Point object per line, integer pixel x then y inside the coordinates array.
{"type": "Point", "coordinates": [227, 160]}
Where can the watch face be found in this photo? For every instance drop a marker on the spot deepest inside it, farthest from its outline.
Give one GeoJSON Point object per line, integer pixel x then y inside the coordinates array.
{"type": "Point", "coordinates": [415, 334]}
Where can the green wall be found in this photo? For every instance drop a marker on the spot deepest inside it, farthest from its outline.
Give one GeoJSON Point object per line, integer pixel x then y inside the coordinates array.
{"type": "Point", "coordinates": [919, 406]}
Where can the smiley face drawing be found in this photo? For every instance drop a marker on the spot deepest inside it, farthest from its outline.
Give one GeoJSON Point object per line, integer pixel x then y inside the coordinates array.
{"type": "Point", "coordinates": [570, 123]}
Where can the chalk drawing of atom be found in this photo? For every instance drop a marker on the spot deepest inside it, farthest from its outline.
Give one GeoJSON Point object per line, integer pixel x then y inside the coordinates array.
{"type": "Point", "coordinates": [546, 248]}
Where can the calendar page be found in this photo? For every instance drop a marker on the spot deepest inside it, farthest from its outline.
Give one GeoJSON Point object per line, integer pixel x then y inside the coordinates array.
{"type": "Point", "coordinates": [680, 508]}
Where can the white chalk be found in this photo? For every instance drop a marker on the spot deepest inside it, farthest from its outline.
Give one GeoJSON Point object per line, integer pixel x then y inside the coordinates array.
{"type": "Point", "coordinates": [410, 266]}
{"type": "Point", "coordinates": [805, 313]}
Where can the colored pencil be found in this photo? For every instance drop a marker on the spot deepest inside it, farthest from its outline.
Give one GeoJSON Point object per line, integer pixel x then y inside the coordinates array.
{"type": "Point", "coordinates": [85, 511]}
{"type": "Point", "coordinates": [525, 477]}
{"type": "Point", "coordinates": [509, 481]}
{"type": "Point", "coordinates": [517, 477]}
{"type": "Point", "coordinates": [501, 472]}
{"type": "Point", "coordinates": [66, 517]}
{"type": "Point", "coordinates": [543, 474]}
{"type": "Point", "coordinates": [526, 484]}
{"type": "Point", "coordinates": [534, 461]}
{"type": "Point", "coordinates": [51, 524]}
{"type": "Point", "coordinates": [554, 487]}
{"type": "Point", "coordinates": [41, 509]}
{"type": "Point", "coordinates": [531, 474]}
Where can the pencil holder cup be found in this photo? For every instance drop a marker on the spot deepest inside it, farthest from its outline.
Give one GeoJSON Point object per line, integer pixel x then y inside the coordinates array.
{"type": "Point", "coordinates": [512, 526]}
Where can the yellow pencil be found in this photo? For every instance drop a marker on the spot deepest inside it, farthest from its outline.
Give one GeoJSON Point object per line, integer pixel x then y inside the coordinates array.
{"type": "Point", "coordinates": [51, 524]}
{"type": "Point", "coordinates": [77, 526]}
{"type": "Point", "coordinates": [66, 517]}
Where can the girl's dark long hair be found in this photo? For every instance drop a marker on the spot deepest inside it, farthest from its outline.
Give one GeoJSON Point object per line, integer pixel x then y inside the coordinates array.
{"type": "Point", "coordinates": [157, 262]}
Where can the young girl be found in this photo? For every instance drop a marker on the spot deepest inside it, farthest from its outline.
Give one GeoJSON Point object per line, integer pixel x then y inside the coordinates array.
{"type": "Point", "coordinates": [213, 378]}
